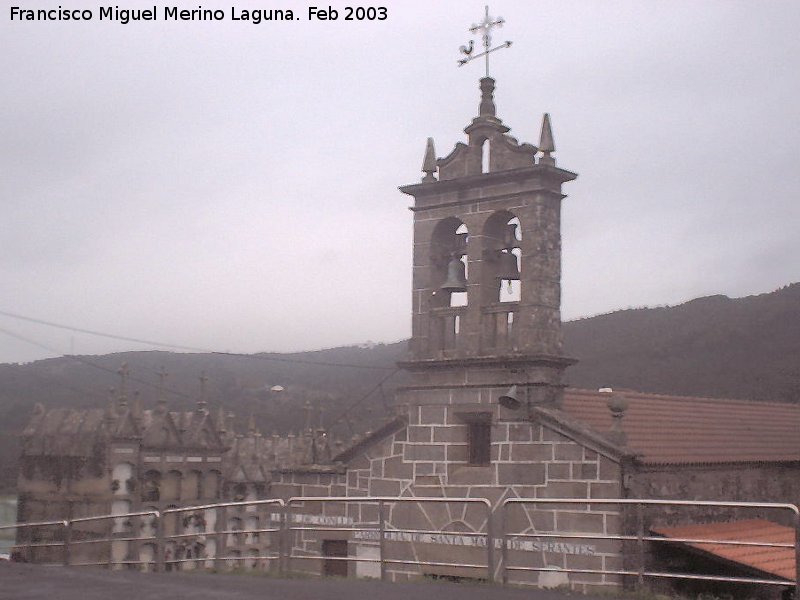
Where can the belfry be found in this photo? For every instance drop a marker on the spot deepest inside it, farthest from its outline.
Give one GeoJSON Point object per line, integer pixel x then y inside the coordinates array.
{"type": "Point", "coordinates": [487, 271]}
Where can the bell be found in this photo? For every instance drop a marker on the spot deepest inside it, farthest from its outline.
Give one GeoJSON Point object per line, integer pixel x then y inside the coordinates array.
{"type": "Point", "coordinates": [456, 277]}
{"type": "Point", "coordinates": [507, 266]}
{"type": "Point", "coordinates": [510, 399]}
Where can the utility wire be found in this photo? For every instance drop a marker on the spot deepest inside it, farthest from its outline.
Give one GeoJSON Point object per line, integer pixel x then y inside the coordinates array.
{"type": "Point", "coordinates": [346, 411]}
{"type": "Point", "coordinates": [188, 348]}
{"type": "Point", "coordinates": [316, 363]}
{"type": "Point", "coordinates": [49, 379]}
{"type": "Point", "coordinates": [342, 416]}
{"type": "Point", "coordinates": [89, 363]}
{"type": "Point", "coordinates": [99, 333]}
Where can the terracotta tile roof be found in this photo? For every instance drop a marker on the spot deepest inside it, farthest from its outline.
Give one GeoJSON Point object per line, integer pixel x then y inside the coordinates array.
{"type": "Point", "coordinates": [679, 430]}
{"type": "Point", "coordinates": [772, 561]}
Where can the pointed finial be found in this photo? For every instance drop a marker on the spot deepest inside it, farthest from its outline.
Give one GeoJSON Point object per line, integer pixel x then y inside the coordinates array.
{"type": "Point", "coordinates": [162, 376]}
{"type": "Point", "coordinates": [123, 376]}
{"type": "Point", "coordinates": [137, 411]}
{"type": "Point", "coordinates": [429, 162]}
{"type": "Point", "coordinates": [202, 403]}
{"type": "Point", "coordinates": [111, 405]}
{"type": "Point", "coordinates": [308, 415]}
{"type": "Point", "coordinates": [546, 143]}
{"type": "Point", "coordinates": [221, 421]}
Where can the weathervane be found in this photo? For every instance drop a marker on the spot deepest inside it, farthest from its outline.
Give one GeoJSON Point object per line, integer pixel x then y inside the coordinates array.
{"type": "Point", "coordinates": [484, 28]}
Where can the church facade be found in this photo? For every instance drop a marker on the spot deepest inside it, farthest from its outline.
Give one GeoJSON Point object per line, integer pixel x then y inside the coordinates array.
{"type": "Point", "coordinates": [487, 415]}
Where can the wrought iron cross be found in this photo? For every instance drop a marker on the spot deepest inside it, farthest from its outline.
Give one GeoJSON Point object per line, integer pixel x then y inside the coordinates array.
{"type": "Point", "coordinates": [203, 381]}
{"type": "Point", "coordinates": [484, 28]}
{"type": "Point", "coordinates": [162, 376]}
{"type": "Point", "coordinates": [123, 373]}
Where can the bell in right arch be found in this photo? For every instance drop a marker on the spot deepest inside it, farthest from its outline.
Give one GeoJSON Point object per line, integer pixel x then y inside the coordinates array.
{"type": "Point", "coordinates": [456, 277]}
{"type": "Point", "coordinates": [507, 266]}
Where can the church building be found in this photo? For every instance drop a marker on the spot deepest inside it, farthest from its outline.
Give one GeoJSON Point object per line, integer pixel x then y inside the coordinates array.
{"type": "Point", "coordinates": [485, 414]}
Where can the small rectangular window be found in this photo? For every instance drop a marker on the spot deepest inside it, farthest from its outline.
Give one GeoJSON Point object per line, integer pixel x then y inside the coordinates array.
{"type": "Point", "coordinates": [480, 442]}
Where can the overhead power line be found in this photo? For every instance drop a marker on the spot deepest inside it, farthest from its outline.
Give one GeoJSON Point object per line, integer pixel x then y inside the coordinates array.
{"type": "Point", "coordinates": [89, 363]}
{"type": "Point", "coordinates": [342, 416]}
{"type": "Point", "coordinates": [100, 333]}
{"type": "Point", "coordinates": [266, 357]}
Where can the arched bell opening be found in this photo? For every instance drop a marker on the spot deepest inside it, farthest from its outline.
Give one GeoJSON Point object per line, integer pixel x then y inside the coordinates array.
{"type": "Point", "coordinates": [448, 263]}
{"type": "Point", "coordinates": [448, 278]}
{"type": "Point", "coordinates": [500, 280]}
{"type": "Point", "coordinates": [502, 258]}
{"type": "Point", "coordinates": [486, 150]}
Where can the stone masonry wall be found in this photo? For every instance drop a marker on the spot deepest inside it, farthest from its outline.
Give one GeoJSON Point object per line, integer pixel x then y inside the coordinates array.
{"type": "Point", "coordinates": [429, 459]}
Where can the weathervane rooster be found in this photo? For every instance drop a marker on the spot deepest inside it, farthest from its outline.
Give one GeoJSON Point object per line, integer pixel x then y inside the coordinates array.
{"type": "Point", "coordinates": [484, 28]}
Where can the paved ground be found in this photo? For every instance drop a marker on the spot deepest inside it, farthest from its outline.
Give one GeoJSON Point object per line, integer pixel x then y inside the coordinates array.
{"type": "Point", "coordinates": [33, 582]}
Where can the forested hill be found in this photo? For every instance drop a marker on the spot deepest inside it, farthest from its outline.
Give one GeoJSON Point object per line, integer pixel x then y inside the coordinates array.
{"type": "Point", "coordinates": [715, 346]}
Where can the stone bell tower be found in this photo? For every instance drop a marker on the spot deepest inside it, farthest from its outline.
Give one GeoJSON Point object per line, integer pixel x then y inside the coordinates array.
{"type": "Point", "coordinates": [487, 270]}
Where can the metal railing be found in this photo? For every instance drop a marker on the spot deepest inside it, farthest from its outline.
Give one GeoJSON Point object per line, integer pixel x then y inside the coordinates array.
{"type": "Point", "coordinates": [640, 539]}
{"type": "Point", "coordinates": [279, 549]}
{"type": "Point", "coordinates": [70, 544]}
{"type": "Point", "coordinates": [34, 544]}
{"type": "Point", "coordinates": [221, 530]}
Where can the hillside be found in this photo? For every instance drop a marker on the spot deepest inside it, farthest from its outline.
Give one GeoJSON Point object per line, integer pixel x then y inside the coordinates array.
{"type": "Point", "coordinates": [715, 346]}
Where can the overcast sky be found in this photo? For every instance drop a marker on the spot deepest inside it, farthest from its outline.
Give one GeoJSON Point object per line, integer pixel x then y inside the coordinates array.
{"type": "Point", "coordinates": [232, 186]}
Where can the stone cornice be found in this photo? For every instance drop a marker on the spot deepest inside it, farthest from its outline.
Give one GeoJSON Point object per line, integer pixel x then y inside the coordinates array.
{"type": "Point", "coordinates": [511, 361]}
{"type": "Point", "coordinates": [543, 172]}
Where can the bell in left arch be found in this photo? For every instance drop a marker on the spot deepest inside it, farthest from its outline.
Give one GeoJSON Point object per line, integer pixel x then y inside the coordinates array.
{"type": "Point", "coordinates": [456, 277]}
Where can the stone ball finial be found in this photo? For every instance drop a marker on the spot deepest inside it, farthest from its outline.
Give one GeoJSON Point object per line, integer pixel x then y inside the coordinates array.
{"type": "Point", "coordinates": [617, 404]}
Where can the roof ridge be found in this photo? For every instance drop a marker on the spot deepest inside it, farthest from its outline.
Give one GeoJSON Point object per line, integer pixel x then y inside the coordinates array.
{"type": "Point", "coordinates": [639, 394]}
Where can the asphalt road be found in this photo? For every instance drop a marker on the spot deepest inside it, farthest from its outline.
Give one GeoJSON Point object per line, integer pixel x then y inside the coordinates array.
{"type": "Point", "coordinates": [29, 582]}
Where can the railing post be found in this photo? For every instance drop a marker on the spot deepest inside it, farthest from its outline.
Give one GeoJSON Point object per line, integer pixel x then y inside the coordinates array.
{"type": "Point", "coordinates": [67, 540]}
{"type": "Point", "coordinates": [504, 547]}
{"type": "Point", "coordinates": [282, 535]}
{"type": "Point", "coordinates": [640, 541]}
{"type": "Point", "coordinates": [110, 563]}
{"type": "Point", "coordinates": [490, 542]}
{"type": "Point", "coordinates": [161, 543]}
{"type": "Point", "coordinates": [797, 555]}
{"type": "Point", "coordinates": [382, 538]}
{"type": "Point", "coordinates": [220, 525]}
{"type": "Point", "coordinates": [288, 540]}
